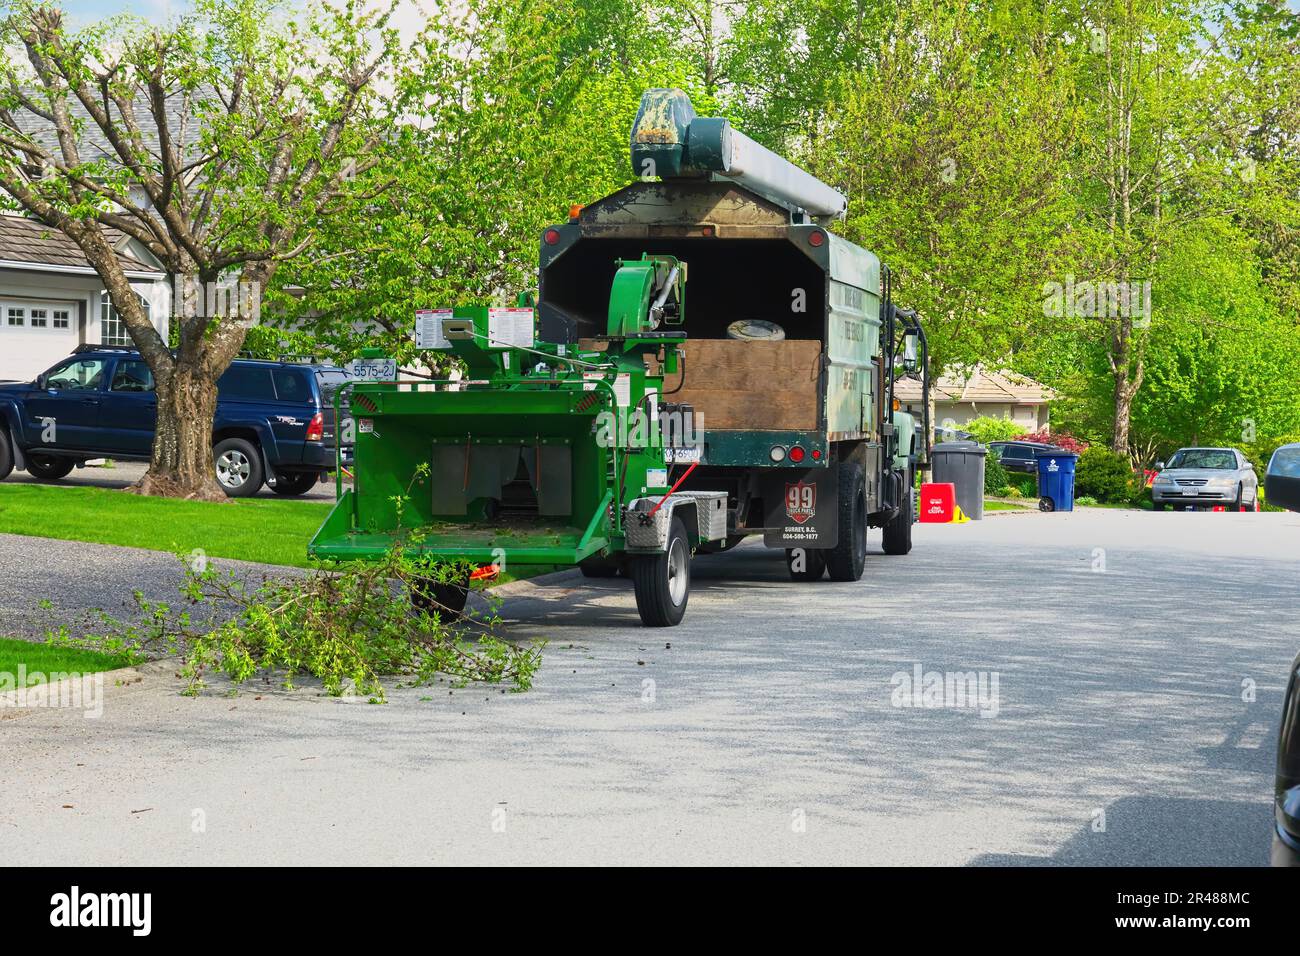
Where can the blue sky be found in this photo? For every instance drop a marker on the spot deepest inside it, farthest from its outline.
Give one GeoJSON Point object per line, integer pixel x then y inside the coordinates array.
{"type": "Point", "coordinates": [87, 10]}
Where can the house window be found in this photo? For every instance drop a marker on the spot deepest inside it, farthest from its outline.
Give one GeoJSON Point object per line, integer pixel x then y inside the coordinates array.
{"type": "Point", "coordinates": [16, 316]}
{"type": "Point", "coordinates": [40, 318]}
{"type": "Point", "coordinates": [112, 328]}
{"type": "Point", "coordinates": [62, 319]}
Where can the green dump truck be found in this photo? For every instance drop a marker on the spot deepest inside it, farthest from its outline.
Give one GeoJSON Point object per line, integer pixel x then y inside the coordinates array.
{"type": "Point", "coordinates": [705, 361]}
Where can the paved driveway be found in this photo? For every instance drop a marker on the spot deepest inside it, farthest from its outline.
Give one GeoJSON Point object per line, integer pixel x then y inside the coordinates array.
{"type": "Point", "coordinates": [123, 473]}
{"type": "Point", "coordinates": [769, 727]}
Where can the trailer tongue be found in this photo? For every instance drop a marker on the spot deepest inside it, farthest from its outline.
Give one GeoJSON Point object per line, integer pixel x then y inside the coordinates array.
{"type": "Point", "coordinates": [607, 430]}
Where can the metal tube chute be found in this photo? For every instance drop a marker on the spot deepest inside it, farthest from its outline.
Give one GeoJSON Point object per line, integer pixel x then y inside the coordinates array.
{"type": "Point", "coordinates": [671, 142]}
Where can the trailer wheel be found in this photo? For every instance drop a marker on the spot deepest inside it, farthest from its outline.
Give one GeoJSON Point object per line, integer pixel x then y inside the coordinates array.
{"type": "Point", "coordinates": [897, 537]}
{"type": "Point", "coordinates": [663, 581]}
{"type": "Point", "coordinates": [847, 560]}
{"type": "Point", "coordinates": [444, 598]}
{"type": "Point", "coordinates": [805, 564]}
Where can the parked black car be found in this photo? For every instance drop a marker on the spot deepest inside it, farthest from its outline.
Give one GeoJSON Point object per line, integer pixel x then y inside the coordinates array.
{"type": "Point", "coordinates": [1286, 805]}
{"type": "Point", "coordinates": [1282, 479]}
{"type": "Point", "coordinates": [274, 422]}
{"type": "Point", "coordinates": [1018, 455]}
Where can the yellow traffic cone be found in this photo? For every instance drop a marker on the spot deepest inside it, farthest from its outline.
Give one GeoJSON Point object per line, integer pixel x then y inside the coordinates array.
{"type": "Point", "coordinates": [959, 516]}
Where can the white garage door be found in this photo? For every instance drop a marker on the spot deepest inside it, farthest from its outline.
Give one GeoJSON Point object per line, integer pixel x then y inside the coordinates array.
{"type": "Point", "coordinates": [34, 335]}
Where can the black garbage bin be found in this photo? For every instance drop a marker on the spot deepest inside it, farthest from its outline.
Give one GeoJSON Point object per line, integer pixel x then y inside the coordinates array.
{"type": "Point", "coordinates": [962, 463]}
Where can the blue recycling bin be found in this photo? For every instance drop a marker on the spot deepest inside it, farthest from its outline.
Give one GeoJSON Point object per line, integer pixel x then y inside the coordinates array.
{"type": "Point", "coordinates": [1056, 479]}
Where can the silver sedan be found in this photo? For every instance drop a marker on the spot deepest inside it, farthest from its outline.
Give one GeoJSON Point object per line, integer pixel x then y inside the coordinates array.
{"type": "Point", "coordinates": [1198, 478]}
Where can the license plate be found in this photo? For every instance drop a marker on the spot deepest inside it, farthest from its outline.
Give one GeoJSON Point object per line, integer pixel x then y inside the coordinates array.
{"type": "Point", "coordinates": [373, 370]}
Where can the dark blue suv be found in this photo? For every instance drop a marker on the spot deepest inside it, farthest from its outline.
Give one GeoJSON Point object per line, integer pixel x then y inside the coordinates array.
{"type": "Point", "coordinates": [275, 421]}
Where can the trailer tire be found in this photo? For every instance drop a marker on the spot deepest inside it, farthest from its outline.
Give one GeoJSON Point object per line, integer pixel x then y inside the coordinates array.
{"type": "Point", "coordinates": [814, 564]}
{"type": "Point", "coordinates": [897, 535]}
{"type": "Point", "coordinates": [848, 559]}
{"type": "Point", "coordinates": [663, 581]}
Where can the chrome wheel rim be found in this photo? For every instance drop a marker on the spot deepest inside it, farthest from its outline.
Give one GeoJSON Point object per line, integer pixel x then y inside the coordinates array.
{"type": "Point", "coordinates": [232, 468]}
{"type": "Point", "coordinates": [677, 572]}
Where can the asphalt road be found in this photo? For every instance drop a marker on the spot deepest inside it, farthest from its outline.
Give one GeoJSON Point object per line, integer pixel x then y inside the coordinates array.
{"type": "Point", "coordinates": [1120, 732]}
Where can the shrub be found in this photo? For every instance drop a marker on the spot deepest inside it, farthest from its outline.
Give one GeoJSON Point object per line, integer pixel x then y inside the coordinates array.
{"type": "Point", "coordinates": [995, 476]}
{"type": "Point", "coordinates": [1088, 501]}
{"type": "Point", "coordinates": [1103, 475]}
{"type": "Point", "coordinates": [1027, 485]}
{"type": "Point", "coordinates": [987, 428]}
{"type": "Point", "coordinates": [1059, 439]}
{"type": "Point", "coordinates": [1139, 495]}
{"type": "Point", "coordinates": [1011, 491]}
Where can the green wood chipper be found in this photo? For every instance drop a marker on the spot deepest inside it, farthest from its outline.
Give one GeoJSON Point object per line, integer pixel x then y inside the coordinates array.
{"type": "Point", "coordinates": [609, 427]}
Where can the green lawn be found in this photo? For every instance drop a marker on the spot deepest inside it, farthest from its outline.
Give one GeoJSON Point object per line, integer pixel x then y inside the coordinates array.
{"type": "Point", "coordinates": [273, 532]}
{"type": "Point", "coordinates": [1007, 506]}
{"type": "Point", "coordinates": [42, 659]}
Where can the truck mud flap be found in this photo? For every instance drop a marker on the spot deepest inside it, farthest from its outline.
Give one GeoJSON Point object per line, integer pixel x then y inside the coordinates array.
{"type": "Point", "coordinates": [801, 508]}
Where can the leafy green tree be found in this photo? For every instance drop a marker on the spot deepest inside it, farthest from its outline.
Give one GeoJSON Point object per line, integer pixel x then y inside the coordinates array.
{"type": "Point", "coordinates": [220, 142]}
{"type": "Point", "coordinates": [521, 109]}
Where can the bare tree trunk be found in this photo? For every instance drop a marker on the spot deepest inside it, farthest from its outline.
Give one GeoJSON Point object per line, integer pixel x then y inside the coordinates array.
{"type": "Point", "coordinates": [1127, 365]}
{"type": "Point", "coordinates": [182, 465]}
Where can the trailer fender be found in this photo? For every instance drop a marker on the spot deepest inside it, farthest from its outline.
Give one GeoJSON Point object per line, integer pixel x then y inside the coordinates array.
{"type": "Point", "coordinates": [704, 513]}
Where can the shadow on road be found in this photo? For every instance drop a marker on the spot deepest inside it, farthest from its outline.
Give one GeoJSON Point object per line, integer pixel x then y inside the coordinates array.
{"type": "Point", "coordinates": [1149, 831]}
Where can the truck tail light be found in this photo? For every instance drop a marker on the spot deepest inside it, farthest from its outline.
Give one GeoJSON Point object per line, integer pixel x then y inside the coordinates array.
{"type": "Point", "coordinates": [796, 454]}
{"type": "Point", "coordinates": [778, 453]}
{"type": "Point", "coordinates": [316, 428]}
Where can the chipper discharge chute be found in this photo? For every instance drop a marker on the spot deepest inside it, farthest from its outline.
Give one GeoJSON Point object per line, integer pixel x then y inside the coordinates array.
{"type": "Point", "coordinates": [541, 454]}
{"type": "Point", "coordinates": [614, 429]}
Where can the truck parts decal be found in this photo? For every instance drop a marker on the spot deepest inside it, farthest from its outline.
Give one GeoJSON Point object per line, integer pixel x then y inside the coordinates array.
{"type": "Point", "coordinates": [800, 508]}
{"type": "Point", "coordinates": [801, 501]}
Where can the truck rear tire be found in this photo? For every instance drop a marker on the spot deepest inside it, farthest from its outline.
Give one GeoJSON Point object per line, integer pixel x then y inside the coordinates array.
{"type": "Point", "coordinates": [897, 536]}
{"type": "Point", "coordinates": [6, 455]}
{"type": "Point", "coordinates": [848, 559]}
{"type": "Point", "coordinates": [808, 565]}
{"type": "Point", "coordinates": [663, 581]}
{"type": "Point", "coordinates": [294, 483]}
{"type": "Point", "coordinates": [49, 467]}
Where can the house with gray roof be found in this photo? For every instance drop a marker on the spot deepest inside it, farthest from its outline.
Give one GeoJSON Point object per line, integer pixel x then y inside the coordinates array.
{"type": "Point", "coordinates": [51, 299]}
{"type": "Point", "coordinates": [963, 394]}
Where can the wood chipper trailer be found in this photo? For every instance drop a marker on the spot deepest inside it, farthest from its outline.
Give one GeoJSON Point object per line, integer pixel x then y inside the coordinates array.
{"type": "Point", "coordinates": [616, 429]}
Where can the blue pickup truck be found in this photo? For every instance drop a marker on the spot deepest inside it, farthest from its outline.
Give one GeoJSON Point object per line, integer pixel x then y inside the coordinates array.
{"type": "Point", "coordinates": [275, 421]}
